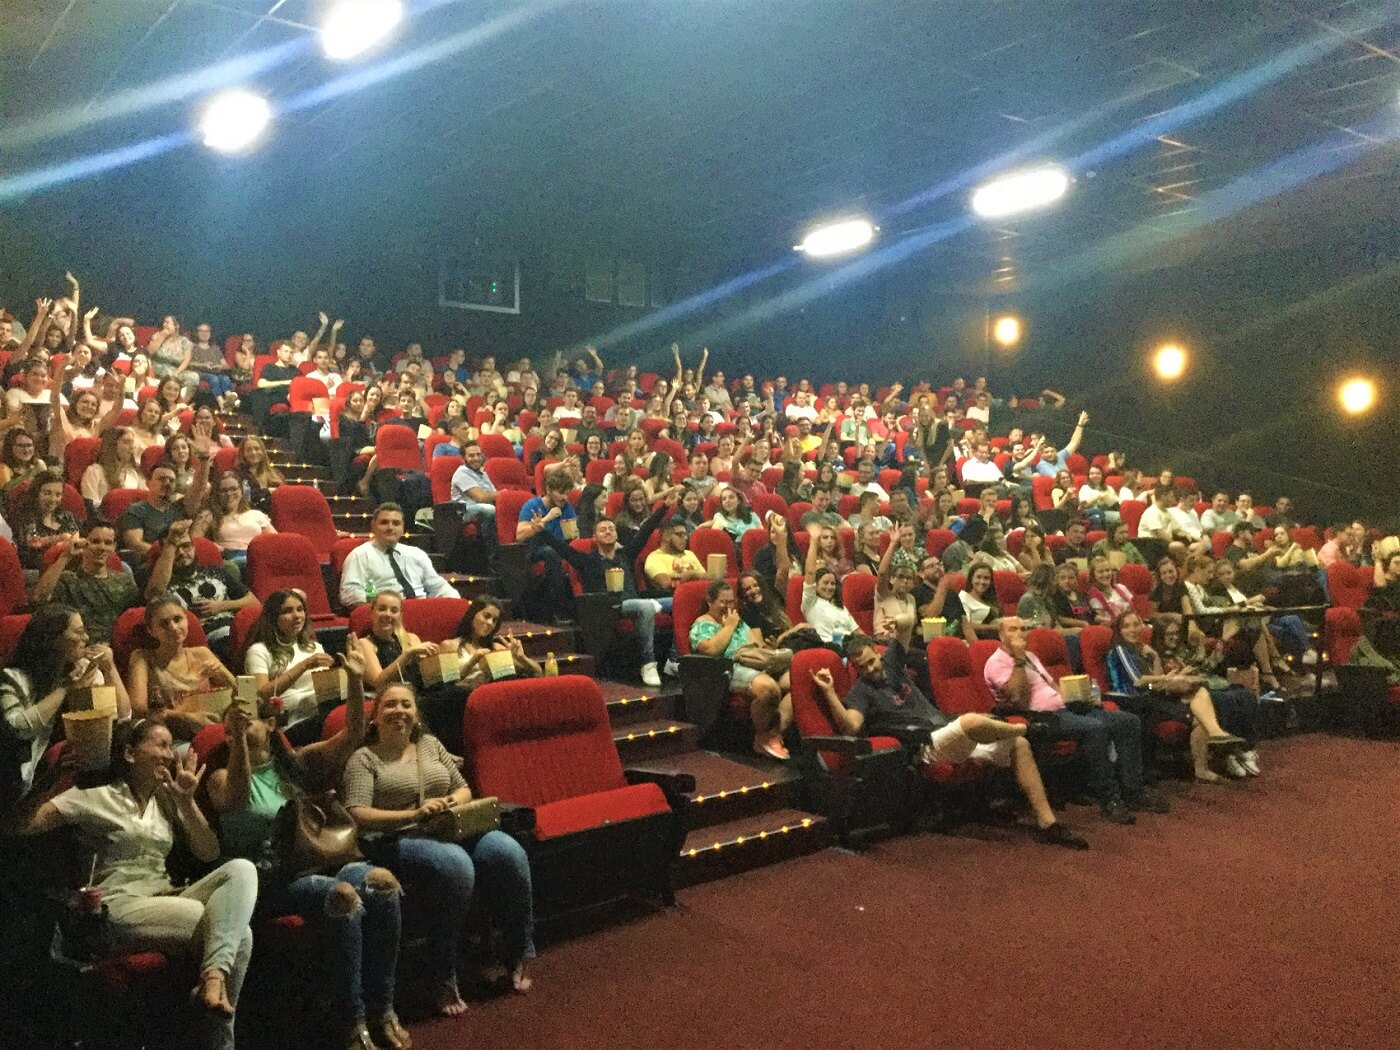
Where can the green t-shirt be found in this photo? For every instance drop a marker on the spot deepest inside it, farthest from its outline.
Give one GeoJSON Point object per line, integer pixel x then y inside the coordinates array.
{"type": "Point", "coordinates": [702, 629]}
{"type": "Point", "coordinates": [98, 599]}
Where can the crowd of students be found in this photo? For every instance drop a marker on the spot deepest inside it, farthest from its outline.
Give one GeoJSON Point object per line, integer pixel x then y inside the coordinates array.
{"type": "Point", "coordinates": [909, 487]}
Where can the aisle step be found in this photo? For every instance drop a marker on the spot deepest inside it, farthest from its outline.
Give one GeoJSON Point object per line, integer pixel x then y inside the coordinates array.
{"type": "Point", "coordinates": [728, 788]}
{"type": "Point", "coordinates": [739, 845]}
{"type": "Point", "coordinates": [653, 742]}
{"type": "Point", "coordinates": [630, 702]}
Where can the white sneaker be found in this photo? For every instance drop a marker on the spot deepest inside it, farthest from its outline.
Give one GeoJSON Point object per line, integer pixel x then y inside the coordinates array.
{"type": "Point", "coordinates": [1309, 658]}
{"type": "Point", "coordinates": [1250, 761]}
{"type": "Point", "coordinates": [672, 668]}
{"type": "Point", "coordinates": [1235, 767]}
{"type": "Point", "coordinates": [649, 675]}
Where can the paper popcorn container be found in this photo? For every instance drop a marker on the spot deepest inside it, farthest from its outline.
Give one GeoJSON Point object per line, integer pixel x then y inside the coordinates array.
{"type": "Point", "coordinates": [444, 667]}
{"type": "Point", "coordinates": [614, 579]}
{"type": "Point", "coordinates": [213, 701]}
{"type": "Point", "coordinates": [248, 694]}
{"type": "Point", "coordinates": [570, 528]}
{"type": "Point", "coordinates": [933, 627]}
{"type": "Point", "coordinates": [501, 663]}
{"type": "Point", "coordinates": [89, 734]}
{"type": "Point", "coordinates": [94, 698]}
{"type": "Point", "coordinates": [329, 683]}
{"type": "Point", "coordinates": [716, 565]}
{"type": "Point", "coordinates": [1075, 688]}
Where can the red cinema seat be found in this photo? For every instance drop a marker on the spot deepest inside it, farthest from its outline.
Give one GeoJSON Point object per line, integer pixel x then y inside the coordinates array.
{"type": "Point", "coordinates": [1131, 511]}
{"type": "Point", "coordinates": [304, 510]}
{"type": "Point", "coordinates": [431, 619]}
{"type": "Point", "coordinates": [1349, 585]}
{"type": "Point", "coordinates": [116, 501]}
{"type": "Point", "coordinates": [705, 541]}
{"type": "Point", "coordinates": [599, 831]}
{"type": "Point", "coordinates": [507, 472]}
{"type": "Point", "coordinates": [858, 596]}
{"type": "Point", "coordinates": [855, 782]}
{"type": "Point", "coordinates": [496, 446]}
{"type": "Point", "coordinates": [78, 455]}
{"type": "Point", "coordinates": [1010, 589]}
{"type": "Point", "coordinates": [278, 561]}
{"type": "Point", "coordinates": [939, 540]}
{"type": "Point", "coordinates": [12, 593]}
{"type": "Point", "coordinates": [396, 448]}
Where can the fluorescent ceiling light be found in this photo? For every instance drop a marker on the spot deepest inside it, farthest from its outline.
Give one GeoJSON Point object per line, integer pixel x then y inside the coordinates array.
{"type": "Point", "coordinates": [354, 26]}
{"type": "Point", "coordinates": [837, 238]}
{"type": "Point", "coordinates": [234, 120]}
{"type": "Point", "coordinates": [1023, 191]}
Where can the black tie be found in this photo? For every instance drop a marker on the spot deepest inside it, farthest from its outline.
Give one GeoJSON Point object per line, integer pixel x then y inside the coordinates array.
{"type": "Point", "coordinates": [408, 591]}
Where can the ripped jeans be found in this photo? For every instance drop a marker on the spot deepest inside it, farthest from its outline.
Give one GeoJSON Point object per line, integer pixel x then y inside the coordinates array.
{"type": "Point", "coordinates": [361, 948]}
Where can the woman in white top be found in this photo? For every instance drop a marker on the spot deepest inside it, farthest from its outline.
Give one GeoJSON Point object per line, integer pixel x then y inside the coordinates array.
{"type": "Point", "coordinates": [981, 607]}
{"type": "Point", "coordinates": [130, 826]}
{"type": "Point", "coordinates": [114, 468]}
{"type": "Point", "coordinates": [52, 660]}
{"type": "Point", "coordinates": [230, 521]}
{"type": "Point", "coordinates": [820, 606]}
{"type": "Point", "coordinates": [282, 656]}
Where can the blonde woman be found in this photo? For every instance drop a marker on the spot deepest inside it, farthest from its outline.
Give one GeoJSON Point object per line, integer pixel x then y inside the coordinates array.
{"type": "Point", "coordinates": [115, 467]}
{"type": "Point", "coordinates": [256, 472]}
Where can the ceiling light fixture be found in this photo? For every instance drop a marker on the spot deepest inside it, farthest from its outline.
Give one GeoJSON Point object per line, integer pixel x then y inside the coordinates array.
{"type": "Point", "coordinates": [837, 238]}
{"type": "Point", "coordinates": [352, 27]}
{"type": "Point", "coordinates": [1169, 362]}
{"type": "Point", "coordinates": [1020, 192]}
{"type": "Point", "coordinates": [234, 120]}
{"type": "Point", "coordinates": [1357, 395]}
{"type": "Point", "coordinates": [1006, 330]}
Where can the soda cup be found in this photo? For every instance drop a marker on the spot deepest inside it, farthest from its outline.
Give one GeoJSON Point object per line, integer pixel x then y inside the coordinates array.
{"type": "Point", "coordinates": [90, 899]}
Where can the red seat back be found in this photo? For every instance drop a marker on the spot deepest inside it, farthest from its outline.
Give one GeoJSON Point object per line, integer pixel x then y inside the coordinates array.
{"type": "Point", "coordinates": [508, 504]}
{"type": "Point", "coordinates": [305, 391]}
{"type": "Point", "coordinates": [792, 602]}
{"type": "Point", "coordinates": [539, 740]}
{"type": "Point", "coordinates": [955, 692]}
{"type": "Point", "coordinates": [1349, 585]}
{"type": "Point", "coordinates": [1131, 511]}
{"type": "Point", "coordinates": [1137, 578]}
{"type": "Point", "coordinates": [1341, 630]}
{"type": "Point", "coordinates": [496, 446]}
{"type": "Point", "coordinates": [431, 619]}
{"type": "Point", "coordinates": [1041, 487]}
{"type": "Point", "coordinates": [129, 634]}
{"type": "Point", "coordinates": [1049, 646]}
{"type": "Point", "coordinates": [396, 448]}
{"type": "Point", "coordinates": [277, 561]}
{"type": "Point", "coordinates": [78, 455]}
{"type": "Point", "coordinates": [1010, 588]}
{"type": "Point", "coordinates": [688, 605]}
{"type": "Point", "coordinates": [440, 471]}
{"type": "Point", "coordinates": [858, 596]}
{"type": "Point", "coordinates": [706, 541]}
{"type": "Point", "coordinates": [507, 472]}
{"type": "Point", "coordinates": [1094, 643]}
{"type": "Point", "coordinates": [116, 501]}
{"type": "Point", "coordinates": [11, 627]}
{"type": "Point", "coordinates": [243, 622]}
{"type": "Point", "coordinates": [302, 509]}
{"type": "Point", "coordinates": [754, 540]}
{"type": "Point", "coordinates": [12, 594]}
{"type": "Point", "coordinates": [939, 540]}
{"type": "Point", "coordinates": [809, 709]}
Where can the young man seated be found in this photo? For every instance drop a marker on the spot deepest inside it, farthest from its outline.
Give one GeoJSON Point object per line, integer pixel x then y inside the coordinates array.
{"type": "Point", "coordinates": [883, 699]}
{"type": "Point", "coordinates": [673, 562]}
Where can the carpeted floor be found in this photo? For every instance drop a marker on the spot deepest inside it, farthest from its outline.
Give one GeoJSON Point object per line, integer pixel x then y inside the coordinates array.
{"type": "Point", "coordinates": [1258, 915]}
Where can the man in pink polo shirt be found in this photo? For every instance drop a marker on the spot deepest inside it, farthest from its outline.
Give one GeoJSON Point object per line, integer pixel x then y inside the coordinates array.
{"type": "Point", "coordinates": [1020, 682]}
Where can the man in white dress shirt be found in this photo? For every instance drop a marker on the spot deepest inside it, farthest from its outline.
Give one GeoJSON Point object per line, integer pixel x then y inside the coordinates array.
{"type": "Point", "coordinates": [385, 564]}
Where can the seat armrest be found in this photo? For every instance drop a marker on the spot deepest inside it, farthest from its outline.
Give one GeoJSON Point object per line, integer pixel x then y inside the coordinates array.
{"type": "Point", "coordinates": [704, 688]}
{"type": "Point", "coordinates": [854, 746]}
{"type": "Point", "coordinates": [911, 735]}
{"type": "Point", "coordinates": [517, 820]}
{"type": "Point", "coordinates": [669, 782]}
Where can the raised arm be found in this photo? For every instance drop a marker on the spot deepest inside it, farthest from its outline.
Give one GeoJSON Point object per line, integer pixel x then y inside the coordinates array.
{"type": "Point", "coordinates": [312, 346]}
{"type": "Point", "coordinates": [97, 345]}
{"type": "Point", "coordinates": [700, 372]}
{"type": "Point", "coordinates": [41, 316]}
{"type": "Point", "coordinates": [1078, 435]}
{"type": "Point", "coordinates": [782, 558]}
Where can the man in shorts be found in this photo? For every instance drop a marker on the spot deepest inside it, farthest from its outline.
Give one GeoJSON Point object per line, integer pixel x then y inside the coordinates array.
{"type": "Point", "coordinates": [884, 696]}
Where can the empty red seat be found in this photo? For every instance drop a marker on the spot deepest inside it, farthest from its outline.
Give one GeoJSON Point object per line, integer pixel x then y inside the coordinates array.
{"type": "Point", "coordinates": [279, 561]}
{"type": "Point", "coordinates": [547, 743]}
{"type": "Point", "coordinates": [396, 448]}
{"type": "Point", "coordinates": [303, 509]}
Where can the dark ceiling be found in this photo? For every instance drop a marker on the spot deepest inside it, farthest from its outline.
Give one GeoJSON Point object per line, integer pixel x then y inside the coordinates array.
{"type": "Point", "coordinates": [721, 128]}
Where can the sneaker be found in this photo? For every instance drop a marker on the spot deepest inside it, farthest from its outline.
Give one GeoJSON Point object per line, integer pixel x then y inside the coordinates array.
{"type": "Point", "coordinates": [1059, 835]}
{"type": "Point", "coordinates": [1115, 811]}
{"type": "Point", "coordinates": [1250, 761]}
{"type": "Point", "coordinates": [1149, 801]}
{"type": "Point", "coordinates": [1235, 767]}
{"type": "Point", "coordinates": [1309, 658]}
{"type": "Point", "coordinates": [672, 669]}
{"type": "Point", "coordinates": [1272, 695]}
{"type": "Point", "coordinates": [649, 675]}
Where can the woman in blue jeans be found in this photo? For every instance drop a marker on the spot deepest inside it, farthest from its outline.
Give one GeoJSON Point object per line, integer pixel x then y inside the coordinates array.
{"type": "Point", "coordinates": [354, 910]}
{"type": "Point", "coordinates": [396, 782]}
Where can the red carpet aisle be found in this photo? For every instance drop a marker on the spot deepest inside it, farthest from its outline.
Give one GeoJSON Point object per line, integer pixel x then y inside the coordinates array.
{"type": "Point", "coordinates": [1254, 916]}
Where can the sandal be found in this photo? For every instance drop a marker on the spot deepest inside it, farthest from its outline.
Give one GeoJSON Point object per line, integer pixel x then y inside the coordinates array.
{"type": "Point", "coordinates": [212, 992]}
{"type": "Point", "coordinates": [388, 1031]}
{"type": "Point", "coordinates": [449, 1002]}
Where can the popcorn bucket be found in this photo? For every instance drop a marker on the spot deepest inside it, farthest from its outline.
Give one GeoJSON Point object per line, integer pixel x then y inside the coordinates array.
{"type": "Point", "coordinates": [569, 527]}
{"type": "Point", "coordinates": [716, 565]}
{"type": "Point", "coordinates": [614, 578]}
{"type": "Point", "coordinates": [89, 734]}
{"type": "Point", "coordinates": [501, 663]}
{"type": "Point", "coordinates": [933, 627]}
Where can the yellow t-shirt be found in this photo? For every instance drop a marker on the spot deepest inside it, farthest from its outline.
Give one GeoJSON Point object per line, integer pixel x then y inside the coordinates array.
{"type": "Point", "coordinates": [663, 563]}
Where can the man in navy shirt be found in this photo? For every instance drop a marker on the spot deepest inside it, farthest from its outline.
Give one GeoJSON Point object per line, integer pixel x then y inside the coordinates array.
{"type": "Point", "coordinates": [554, 512]}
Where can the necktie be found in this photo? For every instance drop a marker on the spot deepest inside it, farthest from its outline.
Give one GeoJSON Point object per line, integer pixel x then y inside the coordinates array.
{"type": "Point", "coordinates": [408, 591]}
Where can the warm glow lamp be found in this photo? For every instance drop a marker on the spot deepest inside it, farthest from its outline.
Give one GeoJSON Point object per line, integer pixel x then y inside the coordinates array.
{"type": "Point", "coordinates": [1357, 395]}
{"type": "Point", "coordinates": [1169, 362]}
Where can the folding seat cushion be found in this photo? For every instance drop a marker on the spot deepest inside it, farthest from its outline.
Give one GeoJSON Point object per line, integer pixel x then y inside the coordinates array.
{"type": "Point", "coordinates": [547, 743]}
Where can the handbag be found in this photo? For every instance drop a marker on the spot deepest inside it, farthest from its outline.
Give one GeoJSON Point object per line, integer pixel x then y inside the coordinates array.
{"type": "Point", "coordinates": [773, 662]}
{"type": "Point", "coordinates": [804, 638]}
{"type": "Point", "coordinates": [461, 820]}
{"type": "Point", "coordinates": [316, 833]}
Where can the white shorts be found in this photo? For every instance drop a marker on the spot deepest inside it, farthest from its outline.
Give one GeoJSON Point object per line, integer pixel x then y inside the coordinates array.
{"type": "Point", "coordinates": [952, 744]}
